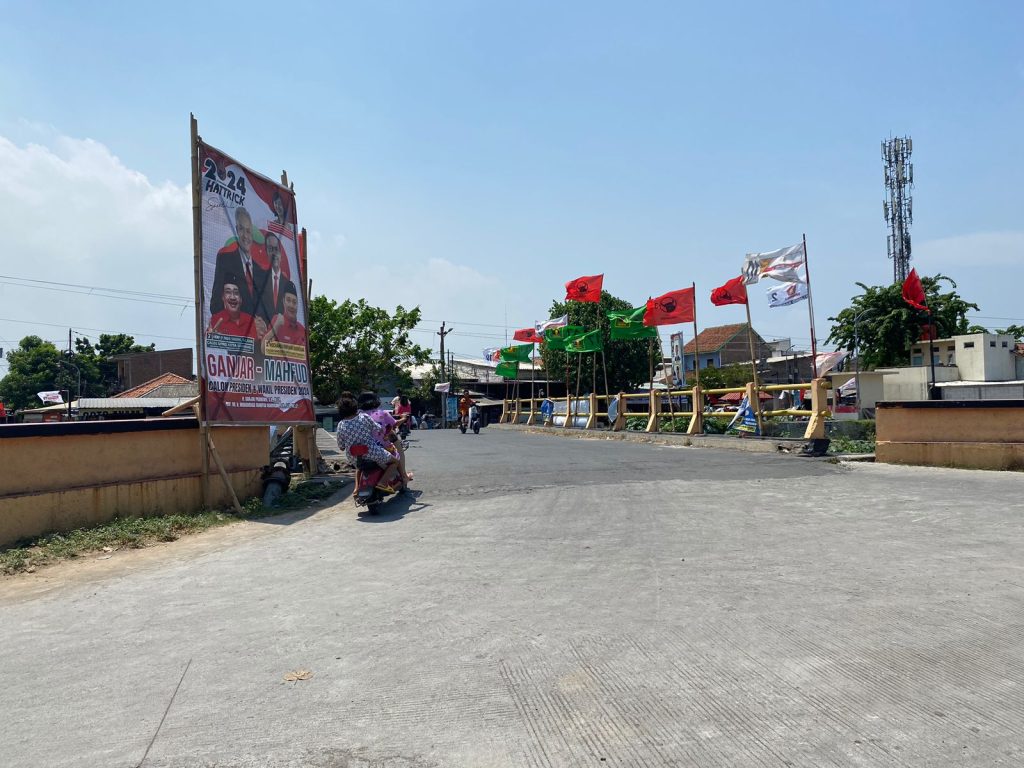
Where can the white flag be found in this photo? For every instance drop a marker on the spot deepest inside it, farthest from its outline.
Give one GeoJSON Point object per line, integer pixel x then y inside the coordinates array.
{"type": "Point", "coordinates": [558, 322]}
{"type": "Point", "coordinates": [785, 265]}
{"type": "Point", "coordinates": [786, 294]}
{"type": "Point", "coordinates": [443, 387]}
{"type": "Point", "coordinates": [53, 397]}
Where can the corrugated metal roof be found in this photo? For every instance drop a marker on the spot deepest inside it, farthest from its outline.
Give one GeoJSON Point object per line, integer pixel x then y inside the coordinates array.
{"type": "Point", "coordinates": [129, 403]}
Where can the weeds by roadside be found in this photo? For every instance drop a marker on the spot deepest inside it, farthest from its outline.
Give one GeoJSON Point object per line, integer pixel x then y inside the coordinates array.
{"type": "Point", "coordinates": [138, 532]}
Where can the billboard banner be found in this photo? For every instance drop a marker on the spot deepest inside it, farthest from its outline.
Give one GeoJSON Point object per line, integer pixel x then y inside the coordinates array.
{"type": "Point", "coordinates": [254, 354]}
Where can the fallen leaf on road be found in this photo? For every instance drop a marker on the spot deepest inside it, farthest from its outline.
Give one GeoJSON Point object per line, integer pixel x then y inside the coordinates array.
{"type": "Point", "coordinates": [298, 674]}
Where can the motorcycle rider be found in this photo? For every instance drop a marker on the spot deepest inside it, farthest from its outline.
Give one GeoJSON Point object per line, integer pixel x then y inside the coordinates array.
{"type": "Point", "coordinates": [369, 404]}
{"type": "Point", "coordinates": [357, 428]}
{"type": "Point", "coordinates": [464, 405]}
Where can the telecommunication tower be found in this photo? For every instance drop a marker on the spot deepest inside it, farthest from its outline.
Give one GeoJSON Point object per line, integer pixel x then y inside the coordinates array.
{"type": "Point", "coordinates": [899, 207]}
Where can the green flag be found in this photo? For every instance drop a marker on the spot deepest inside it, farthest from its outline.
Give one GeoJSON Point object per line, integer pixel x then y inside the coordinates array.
{"type": "Point", "coordinates": [629, 324]}
{"type": "Point", "coordinates": [587, 342]}
{"type": "Point", "coordinates": [517, 353]}
{"type": "Point", "coordinates": [507, 370]}
{"type": "Point", "coordinates": [555, 338]}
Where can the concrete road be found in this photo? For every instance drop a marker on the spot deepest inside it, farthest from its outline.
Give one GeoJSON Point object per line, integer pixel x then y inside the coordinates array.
{"type": "Point", "coordinates": [549, 602]}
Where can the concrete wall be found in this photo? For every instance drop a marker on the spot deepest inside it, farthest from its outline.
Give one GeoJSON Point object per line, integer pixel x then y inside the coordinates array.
{"type": "Point", "coordinates": [912, 383]}
{"type": "Point", "coordinates": [139, 368]}
{"type": "Point", "coordinates": [983, 434]}
{"type": "Point", "coordinates": [58, 477]}
{"type": "Point", "coordinates": [985, 357]}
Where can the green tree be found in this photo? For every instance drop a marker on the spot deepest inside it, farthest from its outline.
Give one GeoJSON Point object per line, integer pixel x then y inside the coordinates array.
{"type": "Point", "coordinates": [1017, 331]}
{"type": "Point", "coordinates": [355, 346]}
{"type": "Point", "coordinates": [734, 375]}
{"type": "Point", "coordinates": [888, 326]}
{"type": "Point", "coordinates": [99, 371]}
{"type": "Point", "coordinates": [628, 362]}
{"type": "Point", "coordinates": [34, 367]}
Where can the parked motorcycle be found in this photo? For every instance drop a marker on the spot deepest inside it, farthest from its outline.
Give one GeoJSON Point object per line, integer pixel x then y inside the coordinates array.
{"type": "Point", "coordinates": [276, 480]}
{"type": "Point", "coordinates": [369, 491]}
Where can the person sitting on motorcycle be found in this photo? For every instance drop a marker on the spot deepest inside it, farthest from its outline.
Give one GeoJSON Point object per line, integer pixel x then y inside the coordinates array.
{"type": "Point", "coordinates": [464, 404]}
{"type": "Point", "coordinates": [384, 433]}
{"type": "Point", "coordinates": [404, 409]}
{"type": "Point", "coordinates": [357, 428]}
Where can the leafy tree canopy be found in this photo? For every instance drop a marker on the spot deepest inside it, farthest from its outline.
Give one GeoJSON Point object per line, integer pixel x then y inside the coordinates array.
{"type": "Point", "coordinates": [34, 367]}
{"type": "Point", "coordinates": [1017, 331]}
{"type": "Point", "coordinates": [628, 362]}
{"type": "Point", "coordinates": [733, 375]}
{"type": "Point", "coordinates": [886, 326]}
{"type": "Point", "coordinates": [355, 346]}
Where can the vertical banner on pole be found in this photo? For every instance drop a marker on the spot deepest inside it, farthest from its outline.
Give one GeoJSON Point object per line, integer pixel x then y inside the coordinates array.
{"type": "Point", "coordinates": [250, 296]}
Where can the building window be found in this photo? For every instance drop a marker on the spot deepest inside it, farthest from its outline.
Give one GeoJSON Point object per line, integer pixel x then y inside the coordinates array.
{"type": "Point", "coordinates": [968, 345]}
{"type": "Point", "coordinates": [710, 363]}
{"type": "Point", "coordinates": [991, 343]}
{"type": "Point", "coordinates": [1004, 345]}
{"type": "Point", "coordinates": [917, 351]}
{"type": "Point", "coordinates": [917, 360]}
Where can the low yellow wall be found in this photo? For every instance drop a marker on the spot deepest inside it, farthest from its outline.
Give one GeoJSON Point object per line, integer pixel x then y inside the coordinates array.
{"type": "Point", "coordinates": [974, 434]}
{"type": "Point", "coordinates": [58, 477]}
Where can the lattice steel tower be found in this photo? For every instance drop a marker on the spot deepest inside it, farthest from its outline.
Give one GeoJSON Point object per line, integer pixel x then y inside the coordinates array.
{"type": "Point", "coordinates": [899, 208]}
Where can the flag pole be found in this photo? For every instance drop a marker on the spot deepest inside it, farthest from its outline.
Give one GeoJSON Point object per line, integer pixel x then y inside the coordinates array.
{"type": "Point", "coordinates": [568, 379]}
{"type": "Point", "coordinates": [533, 378]}
{"type": "Point", "coordinates": [696, 348]}
{"type": "Point", "coordinates": [810, 309]}
{"type": "Point", "coordinates": [753, 369]}
{"type": "Point", "coordinates": [576, 401]}
{"type": "Point", "coordinates": [671, 405]}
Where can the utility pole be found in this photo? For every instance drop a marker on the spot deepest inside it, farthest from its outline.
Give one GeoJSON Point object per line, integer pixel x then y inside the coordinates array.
{"type": "Point", "coordinates": [444, 402]}
{"type": "Point", "coordinates": [442, 333]}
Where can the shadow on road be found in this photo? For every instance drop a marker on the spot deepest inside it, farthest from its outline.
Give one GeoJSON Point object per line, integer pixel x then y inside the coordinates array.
{"type": "Point", "coordinates": [395, 508]}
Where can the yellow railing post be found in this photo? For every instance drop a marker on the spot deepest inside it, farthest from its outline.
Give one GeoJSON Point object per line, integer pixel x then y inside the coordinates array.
{"type": "Point", "coordinates": [533, 411]}
{"type": "Point", "coordinates": [504, 418]}
{"type": "Point", "coordinates": [620, 416]}
{"type": "Point", "coordinates": [592, 418]}
{"type": "Point", "coordinates": [655, 408]}
{"type": "Point", "coordinates": [819, 406]}
{"type": "Point", "coordinates": [697, 420]}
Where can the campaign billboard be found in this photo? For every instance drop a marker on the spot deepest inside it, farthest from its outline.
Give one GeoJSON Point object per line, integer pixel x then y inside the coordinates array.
{"type": "Point", "coordinates": [254, 352]}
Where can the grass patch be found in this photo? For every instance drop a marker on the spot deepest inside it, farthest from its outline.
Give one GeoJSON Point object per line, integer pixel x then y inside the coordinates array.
{"type": "Point", "coordinates": [846, 445]}
{"type": "Point", "coordinates": [138, 532]}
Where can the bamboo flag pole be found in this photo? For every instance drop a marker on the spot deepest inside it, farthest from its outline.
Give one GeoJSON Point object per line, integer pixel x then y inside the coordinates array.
{"type": "Point", "coordinates": [810, 309]}
{"type": "Point", "coordinates": [533, 379]}
{"type": "Point", "coordinates": [568, 380]}
{"type": "Point", "coordinates": [576, 400]}
{"type": "Point", "coordinates": [197, 245]}
{"type": "Point", "coordinates": [753, 368]}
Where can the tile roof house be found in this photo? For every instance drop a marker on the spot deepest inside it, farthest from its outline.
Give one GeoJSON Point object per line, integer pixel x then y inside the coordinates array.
{"type": "Point", "coordinates": [722, 345]}
{"type": "Point", "coordinates": [169, 384]}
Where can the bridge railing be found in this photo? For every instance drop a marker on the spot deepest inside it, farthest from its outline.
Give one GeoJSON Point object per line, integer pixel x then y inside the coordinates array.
{"type": "Point", "coordinates": [587, 411]}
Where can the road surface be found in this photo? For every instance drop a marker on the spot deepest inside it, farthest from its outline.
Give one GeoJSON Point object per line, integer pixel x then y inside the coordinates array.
{"type": "Point", "coordinates": [548, 602]}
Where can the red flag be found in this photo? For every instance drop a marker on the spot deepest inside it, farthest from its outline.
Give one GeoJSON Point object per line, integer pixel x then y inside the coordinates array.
{"type": "Point", "coordinates": [584, 288]}
{"type": "Point", "coordinates": [733, 292]}
{"type": "Point", "coordinates": [913, 292]}
{"type": "Point", "coordinates": [527, 334]}
{"type": "Point", "coordinates": [673, 307]}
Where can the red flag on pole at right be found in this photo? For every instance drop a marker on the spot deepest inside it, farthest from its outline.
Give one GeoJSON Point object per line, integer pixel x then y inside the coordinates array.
{"type": "Point", "coordinates": [913, 291]}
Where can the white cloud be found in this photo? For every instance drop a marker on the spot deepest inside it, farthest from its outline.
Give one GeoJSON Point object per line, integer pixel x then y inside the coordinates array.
{"type": "Point", "coordinates": [72, 212]}
{"type": "Point", "coordinates": [978, 249]}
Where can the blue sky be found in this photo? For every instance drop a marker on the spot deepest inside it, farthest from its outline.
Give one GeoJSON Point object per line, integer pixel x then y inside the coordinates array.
{"type": "Point", "coordinates": [471, 157]}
